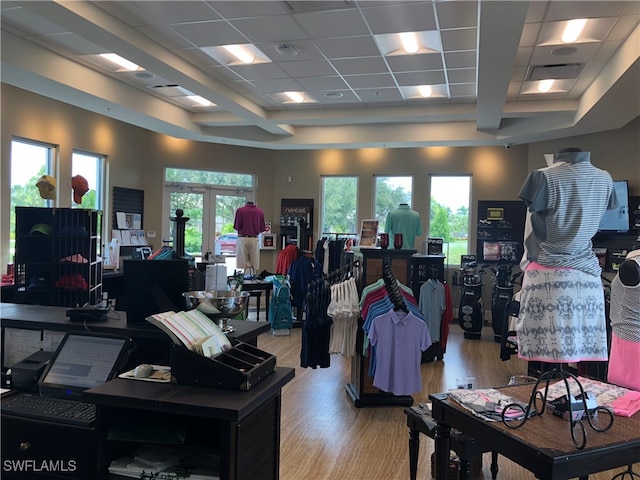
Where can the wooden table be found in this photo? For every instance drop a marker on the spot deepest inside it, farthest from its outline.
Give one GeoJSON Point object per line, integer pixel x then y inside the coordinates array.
{"type": "Point", "coordinates": [465, 447]}
{"type": "Point", "coordinates": [542, 445]}
{"type": "Point", "coordinates": [255, 289]}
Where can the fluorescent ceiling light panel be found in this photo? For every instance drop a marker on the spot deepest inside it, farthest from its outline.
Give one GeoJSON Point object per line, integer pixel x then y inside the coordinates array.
{"type": "Point", "coordinates": [545, 85]}
{"type": "Point", "coordinates": [573, 30]}
{"type": "Point", "coordinates": [425, 90]}
{"type": "Point", "coordinates": [296, 97]}
{"type": "Point", "coordinates": [242, 54]}
{"type": "Point", "coordinates": [200, 101]}
{"type": "Point", "coordinates": [391, 43]}
{"type": "Point", "coordinates": [409, 42]}
{"type": "Point", "coordinates": [234, 55]}
{"type": "Point", "coordinates": [121, 62]}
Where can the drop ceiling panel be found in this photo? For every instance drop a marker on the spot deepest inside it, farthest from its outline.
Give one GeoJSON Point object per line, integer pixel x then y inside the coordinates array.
{"type": "Point", "coordinates": [336, 53]}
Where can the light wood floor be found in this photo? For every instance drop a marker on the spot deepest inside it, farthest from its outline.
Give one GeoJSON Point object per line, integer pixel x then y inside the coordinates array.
{"type": "Point", "coordinates": [325, 437]}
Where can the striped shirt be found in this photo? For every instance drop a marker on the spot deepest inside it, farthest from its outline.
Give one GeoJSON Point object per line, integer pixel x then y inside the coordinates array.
{"type": "Point", "coordinates": [625, 306]}
{"type": "Point", "coordinates": [565, 204]}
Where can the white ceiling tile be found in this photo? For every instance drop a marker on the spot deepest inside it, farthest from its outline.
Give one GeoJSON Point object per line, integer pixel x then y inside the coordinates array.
{"type": "Point", "coordinates": [345, 47]}
{"type": "Point", "coordinates": [269, 29]}
{"type": "Point", "coordinates": [72, 42]}
{"type": "Point", "coordinates": [457, 14]}
{"type": "Point", "coordinates": [546, 56]}
{"type": "Point", "coordinates": [358, 66]}
{"type": "Point", "coordinates": [261, 71]}
{"type": "Point", "coordinates": [209, 34]}
{"type": "Point", "coordinates": [460, 59]}
{"type": "Point", "coordinates": [312, 68]}
{"type": "Point", "coordinates": [165, 36]}
{"type": "Point", "coordinates": [277, 85]}
{"type": "Point", "coordinates": [462, 75]}
{"type": "Point", "coordinates": [412, 63]}
{"type": "Point", "coordinates": [246, 8]}
{"type": "Point", "coordinates": [370, 81]}
{"type": "Point", "coordinates": [304, 50]}
{"type": "Point", "coordinates": [459, 39]}
{"type": "Point", "coordinates": [314, 84]}
{"type": "Point", "coordinates": [433, 77]}
{"type": "Point", "coordinates": [463, 90]}
{"type": "Point", "coordinates": [370, 95]}
{"type": "Point", "coordinates": [340, 23]}
{"type": "Point", "coordinates": [400, 17]}
{"type": "Point", "coordinates": [567, 10]}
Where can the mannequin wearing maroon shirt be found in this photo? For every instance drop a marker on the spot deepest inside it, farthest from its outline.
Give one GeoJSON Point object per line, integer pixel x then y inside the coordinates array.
{"type": "Point", "coordinates": [249, 223]}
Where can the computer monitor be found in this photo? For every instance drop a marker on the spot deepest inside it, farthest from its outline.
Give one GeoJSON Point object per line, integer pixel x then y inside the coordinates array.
{"type": "Point", "coordinates": [154, 286]}
{"type": "Point", "coordinates": [617, 219]}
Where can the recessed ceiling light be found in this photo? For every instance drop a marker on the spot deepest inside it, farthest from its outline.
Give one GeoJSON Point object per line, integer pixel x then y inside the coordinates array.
{"type": "Point", "coordinates": [200, 100]}
{"type": "Point", "coordinates": [425, 91]}
{"type": "Point", "coordinates": [297, 97]}
{"type": "Point", "coordinates": [240, 53]}
{"type": "Point", "coordinates": [573, 29]}
{"type": "Point", "coordinates": [545, 85]}
{"type": "Point", "coordinates": [334, 94]}
{"type": "Point", "coordinates": [409, 42]}
{"type": "Point", "coordinates": [121, 62]}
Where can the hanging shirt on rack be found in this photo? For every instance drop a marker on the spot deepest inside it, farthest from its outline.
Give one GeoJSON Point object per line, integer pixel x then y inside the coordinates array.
{"type": "Point", "coordinates": [432, 305]}
{"type": "Point", "coordinates": [400, 338]}
{"type": "Point", "coordinates": [344, 311]}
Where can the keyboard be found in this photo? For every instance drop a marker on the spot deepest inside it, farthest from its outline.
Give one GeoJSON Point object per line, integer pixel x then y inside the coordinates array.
{"type": "Point", "coordinates": [50, 409]}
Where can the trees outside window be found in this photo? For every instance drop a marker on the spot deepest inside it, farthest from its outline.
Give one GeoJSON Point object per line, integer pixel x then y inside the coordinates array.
{"type": "Point", "coordinates": [29, 161]}
{"type": "Point", "coordinates": [449, 213]}
{"type": "Point", "coordinates": [389, 193]}
{"type": "Point", "coordinates": [339, 205]}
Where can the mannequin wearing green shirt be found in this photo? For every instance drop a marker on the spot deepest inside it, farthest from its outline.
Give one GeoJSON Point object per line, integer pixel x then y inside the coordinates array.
{"type": "Point", "coordinates": [405, 221]}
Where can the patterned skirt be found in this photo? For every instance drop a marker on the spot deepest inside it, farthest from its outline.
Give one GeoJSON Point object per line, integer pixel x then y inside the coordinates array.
{"type": "Point", "coordinates": [562, 316]}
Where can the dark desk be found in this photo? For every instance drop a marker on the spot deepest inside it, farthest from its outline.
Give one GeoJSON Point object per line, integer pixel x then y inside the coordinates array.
{"type": "Point", "coordinates": [543, 445]}
{"type": "Point", "coordinates": [152, 344]}
{"type": "Point", "coordinates": [255, 289]}
{"type": "Point", "coordinates": [244, 427]}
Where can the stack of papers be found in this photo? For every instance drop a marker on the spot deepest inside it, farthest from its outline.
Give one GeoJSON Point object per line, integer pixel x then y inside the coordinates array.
{"type": "Point", "coordinates": [194, 330]}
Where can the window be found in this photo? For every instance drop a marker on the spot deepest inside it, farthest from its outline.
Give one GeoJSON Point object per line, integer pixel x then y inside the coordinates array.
{"type": "Point", "coordinates": [449, 213]}
{"type": "Point", "coordinates": [91, 167]}
{"type": "Point", "coordinates": [209, 199]}
{"type": "Point", "coordinates": [29, 161]}
{"type": "Point", "coordinates": [339, 204]}
{"type": "Point", "coordinates": [389, 193]}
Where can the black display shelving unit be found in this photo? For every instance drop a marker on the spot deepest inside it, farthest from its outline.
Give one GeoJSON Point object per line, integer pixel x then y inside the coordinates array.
{"type": "Point", "coordinates": [58, 256]}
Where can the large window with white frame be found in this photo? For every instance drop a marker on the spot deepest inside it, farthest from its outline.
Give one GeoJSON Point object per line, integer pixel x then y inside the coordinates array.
{"type": "Point", "coordinates": [29, 161]}
{"type": "Point", "coordinates": [91, 166]}
{"type": "Point", "coordinates": [390, 191]}
{"type": "Point", "coordinates": [209, 199]}
{"type": "Point", "coordinates": [339, 205]}
{"type": "Point", "coordinates": [449, 213]}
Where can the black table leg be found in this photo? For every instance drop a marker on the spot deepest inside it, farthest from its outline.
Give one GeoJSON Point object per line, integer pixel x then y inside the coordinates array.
{"type": "Point", "coordinates": [494, 465]}
{"type": "Point", "coordinates": [414, 446]}
{"type": "Point", "coordinates": [442, 447]}
{"type": "Point", "coordinates": [465, 469]}
{"type": "Point", "coordinates": [258, 304]}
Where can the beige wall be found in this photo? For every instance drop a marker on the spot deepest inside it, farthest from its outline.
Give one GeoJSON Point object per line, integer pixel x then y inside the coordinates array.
{"type": "Point", "coordinates": [136, 157]}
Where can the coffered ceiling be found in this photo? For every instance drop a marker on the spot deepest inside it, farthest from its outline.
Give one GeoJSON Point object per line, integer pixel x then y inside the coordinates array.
{"type": "Point", "coordinates": [482, 60]}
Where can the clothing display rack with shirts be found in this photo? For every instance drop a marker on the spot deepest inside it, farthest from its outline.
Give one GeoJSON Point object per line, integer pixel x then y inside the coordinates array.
{"type": "Point", "coordinates": [436, 305]}
{"type": "Point", "coordinates": [317, 327]}
{"type": "Point", "coordinates": [385, 305]}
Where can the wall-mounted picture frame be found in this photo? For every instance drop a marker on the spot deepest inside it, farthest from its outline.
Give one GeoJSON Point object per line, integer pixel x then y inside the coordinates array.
{"type": "Point", "coordinates": [368, 233]}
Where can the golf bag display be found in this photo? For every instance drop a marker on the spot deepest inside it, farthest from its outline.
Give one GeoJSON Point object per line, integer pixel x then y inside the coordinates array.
{"type": "Point", "coordinates": [501, 295]}
{"type": "Point", "coordinates": [471, 309]}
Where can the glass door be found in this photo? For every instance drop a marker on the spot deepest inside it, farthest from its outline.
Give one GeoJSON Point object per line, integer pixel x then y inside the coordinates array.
{"type": "Point", "coordinates": [211, 213]}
